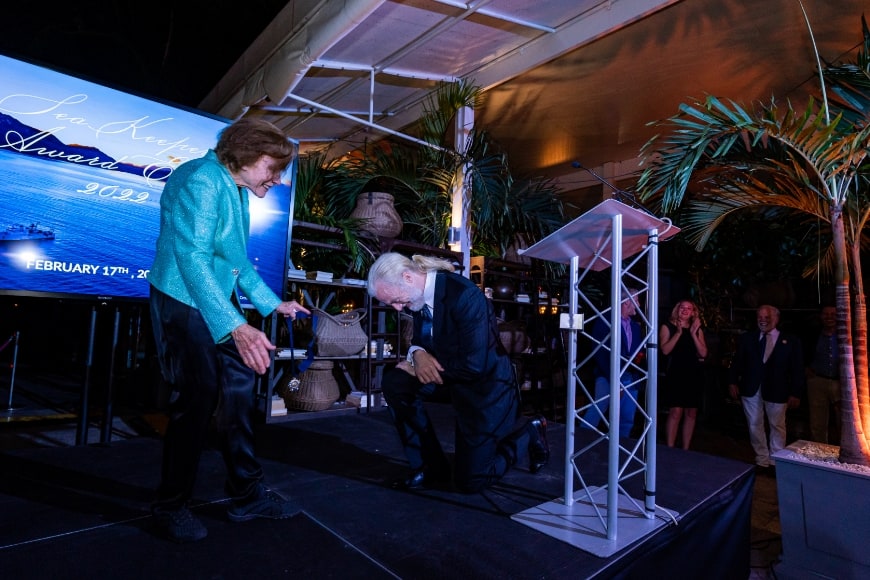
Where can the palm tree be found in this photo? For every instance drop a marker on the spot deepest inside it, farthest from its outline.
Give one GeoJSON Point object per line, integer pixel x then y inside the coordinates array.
{"type": "Point", "coordinates": [719, 159]}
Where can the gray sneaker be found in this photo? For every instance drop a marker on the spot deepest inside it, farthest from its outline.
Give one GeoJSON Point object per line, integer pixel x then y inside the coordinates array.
{"type": "Point", "coordinates": [179, 526]}
{"type": "Point", "coordinates": [268, 504]}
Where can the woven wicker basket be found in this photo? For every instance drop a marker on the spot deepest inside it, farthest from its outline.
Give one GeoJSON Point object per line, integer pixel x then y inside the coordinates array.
{"type": "Point", "coordinates": [513, 336]}
{"type": "Point", "coordinates": [340, 334]}
{"type": "Point", "coordinates": [379, 213]}
{"type": "Point", "coordinates": [318, 389]}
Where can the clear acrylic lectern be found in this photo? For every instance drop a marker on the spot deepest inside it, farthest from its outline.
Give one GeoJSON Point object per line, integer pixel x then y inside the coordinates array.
{"type": "Point", "coordinates": [617, 236]}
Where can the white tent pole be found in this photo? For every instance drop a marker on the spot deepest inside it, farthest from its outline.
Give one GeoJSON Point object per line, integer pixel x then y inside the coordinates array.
{"type": "Point", "coordinates": [459, 236]}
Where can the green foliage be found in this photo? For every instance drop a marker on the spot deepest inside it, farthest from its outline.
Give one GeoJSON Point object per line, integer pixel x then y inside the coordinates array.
{"type": "Point", "coordinates": [850, 88]}
{"type": "Point", "coordinates": [719, 160]}
{"type": "Point", "coordinates": [314, 203]}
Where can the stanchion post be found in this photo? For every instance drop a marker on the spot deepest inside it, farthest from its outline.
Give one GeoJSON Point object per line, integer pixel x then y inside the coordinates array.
{"type": "Point", "coordinates": [108, 416]}
{"type": "Point", "coordinates": [82, 431]}
{"type": "Point", "coordinates": [15, 337]}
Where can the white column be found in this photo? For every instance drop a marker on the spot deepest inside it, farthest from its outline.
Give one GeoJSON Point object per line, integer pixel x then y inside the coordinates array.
{"type": "Point", "coordinates": [461, 199]}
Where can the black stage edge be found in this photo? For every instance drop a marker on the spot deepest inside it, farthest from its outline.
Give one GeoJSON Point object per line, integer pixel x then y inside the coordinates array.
{"type": "Point", "coordinates": [82, 512]}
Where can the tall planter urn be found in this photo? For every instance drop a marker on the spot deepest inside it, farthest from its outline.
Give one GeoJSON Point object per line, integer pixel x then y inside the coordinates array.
{"type": "Point", "coordinates": [378, 213]}
{"type": "Point", "coordinates": [824, 512]}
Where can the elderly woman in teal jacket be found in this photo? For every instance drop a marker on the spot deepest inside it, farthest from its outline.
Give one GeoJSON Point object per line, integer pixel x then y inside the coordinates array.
{"type": "Point", "coordinates": [208, 352]}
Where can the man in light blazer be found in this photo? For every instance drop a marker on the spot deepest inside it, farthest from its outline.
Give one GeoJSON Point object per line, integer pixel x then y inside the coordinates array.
{"type": "Point", "coordinates": [455, 352]}
{"type": "Point", "coordinates": [208, 352]}
{"type": "Point", "coordinates": [768, 375]}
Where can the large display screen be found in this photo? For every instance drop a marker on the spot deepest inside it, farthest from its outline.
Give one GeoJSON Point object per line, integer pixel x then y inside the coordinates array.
{"type": "Point", "coordinates": [82, 167]}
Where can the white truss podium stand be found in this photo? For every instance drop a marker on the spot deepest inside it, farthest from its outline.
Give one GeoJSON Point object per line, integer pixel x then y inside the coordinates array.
{"type": "Point", "coordinates": [617, 236]}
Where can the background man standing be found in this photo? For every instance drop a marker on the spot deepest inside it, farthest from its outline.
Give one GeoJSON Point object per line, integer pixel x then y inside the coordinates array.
{"type": "Point", "coordinates": [631, 377]}
{"type": "Point", "coordinates": [768, 376]}
{"type": "Point", "coordinates": [823, 376]}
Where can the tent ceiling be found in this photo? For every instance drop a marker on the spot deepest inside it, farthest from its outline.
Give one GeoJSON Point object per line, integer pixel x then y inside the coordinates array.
{"type": "Point", "coordinates": [565, 80]}
{"type": "Point", "coordinates": [385, 58]}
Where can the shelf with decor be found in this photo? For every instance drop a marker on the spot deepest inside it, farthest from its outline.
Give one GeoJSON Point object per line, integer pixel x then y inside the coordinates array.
{"type": "Point", "coordinates": [318, 366]}
{"type": "Point", "coordinates": [527, 306]}
{"type": "Point", "coordinates": [314, 373]}
{"type": "Point", "coordinates": [390, 335]}
{"type": "Point", "coordinates": [387, 331]}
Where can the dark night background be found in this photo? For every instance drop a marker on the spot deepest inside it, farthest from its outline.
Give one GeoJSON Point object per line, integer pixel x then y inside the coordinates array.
{"type": "Point", "coordinates": [170, 51]}
{"type": "Point", "coordinates": [174, 51]}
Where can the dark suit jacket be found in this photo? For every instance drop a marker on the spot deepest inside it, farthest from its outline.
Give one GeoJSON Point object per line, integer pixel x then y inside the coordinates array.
{"type": "Point", "coordinates": [781, 377]}
{"type": "Point", "coordinates": [477, 369]}
{"type": "Point", "coordinates": [601, 332]}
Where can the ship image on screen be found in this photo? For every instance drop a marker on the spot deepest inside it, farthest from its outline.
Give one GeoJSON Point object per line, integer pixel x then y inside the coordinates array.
{"type": "Point", "coordinates": [82, 168]}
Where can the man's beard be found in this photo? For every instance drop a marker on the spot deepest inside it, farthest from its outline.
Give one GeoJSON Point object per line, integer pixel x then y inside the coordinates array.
{"type": "Point", "coordinates": [416, 301]}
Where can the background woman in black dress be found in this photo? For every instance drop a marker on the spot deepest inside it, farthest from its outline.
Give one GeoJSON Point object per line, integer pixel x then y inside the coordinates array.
{"type": "Point", "coordinates": [682, 343]}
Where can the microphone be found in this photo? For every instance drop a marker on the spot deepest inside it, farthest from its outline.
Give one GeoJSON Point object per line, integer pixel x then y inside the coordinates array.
{"type": "Point", "coordinates": [621, 194]}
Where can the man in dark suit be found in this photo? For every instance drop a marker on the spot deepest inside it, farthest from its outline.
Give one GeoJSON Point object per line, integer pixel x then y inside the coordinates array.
{"type": "Point", "coordinates": [823, 375]}
{"type": "Point", "coordinates": [768, 375]}
{"type": "Point", "coordinates": [456, 352]}
{"type": "Point", "coordinates": [631, 377]}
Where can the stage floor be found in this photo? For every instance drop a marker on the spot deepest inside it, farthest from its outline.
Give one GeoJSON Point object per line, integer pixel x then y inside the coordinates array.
{"type": "Point", "coordinates": [83, 512]}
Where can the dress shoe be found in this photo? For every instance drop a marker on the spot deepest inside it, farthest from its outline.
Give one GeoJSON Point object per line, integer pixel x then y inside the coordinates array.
{"type": "Point", "coordinates": [539, 449]}
{"type": "Point", "coordinates": [266, 503]}
{"type": "Point", "coordinates": [419, 479]}
{"type": "Point", "coordinates": [179, 525]}
{"type": "Point", "coordinates": [768, 470]}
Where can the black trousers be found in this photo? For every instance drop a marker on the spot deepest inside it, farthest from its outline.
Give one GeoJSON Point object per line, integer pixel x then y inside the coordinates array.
{"type": "Point", "coordinates": [208, 381]}
{"type": "Point", "coordinates": [490, 436]}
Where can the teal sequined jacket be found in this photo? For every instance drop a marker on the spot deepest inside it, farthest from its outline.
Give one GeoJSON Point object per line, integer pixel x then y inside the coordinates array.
{"type": "Point", "coordinates": [202, 247]}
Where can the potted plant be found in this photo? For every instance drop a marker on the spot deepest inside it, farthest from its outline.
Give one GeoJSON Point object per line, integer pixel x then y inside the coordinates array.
{"type": "Point", "coordinates": [719, 159]}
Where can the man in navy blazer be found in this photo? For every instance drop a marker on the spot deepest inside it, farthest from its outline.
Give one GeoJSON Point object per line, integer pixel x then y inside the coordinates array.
{"type": "Point", "coordinates": [631, 377]}
{"type": "Point", "coordinates": [768, 375]}
{"type": "Point", "coordinates": [455, 352]}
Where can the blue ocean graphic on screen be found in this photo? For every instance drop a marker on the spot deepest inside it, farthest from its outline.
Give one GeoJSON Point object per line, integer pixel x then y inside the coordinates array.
{"type": "Point", "coordinates": [82, 168]}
